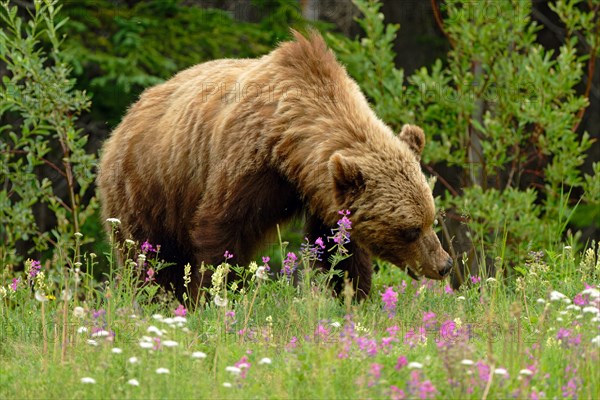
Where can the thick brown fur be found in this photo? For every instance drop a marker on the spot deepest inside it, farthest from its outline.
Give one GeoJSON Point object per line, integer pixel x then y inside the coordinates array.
{"type": "Point", "coordinates": [214, 158]}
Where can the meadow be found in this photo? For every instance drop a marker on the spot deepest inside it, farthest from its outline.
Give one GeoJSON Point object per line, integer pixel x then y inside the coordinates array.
{"type": "Point", "coordinates": [531, 336]}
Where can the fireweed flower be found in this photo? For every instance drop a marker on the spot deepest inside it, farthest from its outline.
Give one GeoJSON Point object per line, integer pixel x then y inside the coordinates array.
{"type": "Point", "coordinates": [390, 298]}
{"type": "Point", "coordinates": [341, 235]}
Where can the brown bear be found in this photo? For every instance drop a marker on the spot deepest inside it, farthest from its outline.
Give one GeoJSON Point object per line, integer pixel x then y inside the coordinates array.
{"type": "Point", "coordinates": [216, 157]}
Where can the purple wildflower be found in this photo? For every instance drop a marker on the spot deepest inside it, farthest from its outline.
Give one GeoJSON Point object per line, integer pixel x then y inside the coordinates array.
{"type": "Point", "coordinates": [148, 248]}
{"type": "Point", "coordinates": [15, 284]}
{"type": "Point", "coordinates": [484, 372]}
{"type": "Point", "coordinates": [34, 269]}
{"type": "Point", "coordinates": [341, 235]}
{"type": "Point", "coordinates": [375, 373]}
{"type": "Point", "coordinates": [448, 289]}
{"type": "Point", "coordinates": [293, 343]}
{"type": "Point", "coordinates": [321, 334]}
{"type": "Point", "coordinates": [390, 298]}
{"type": "Point", "coordinates": [563, 334]}
{"type": "Point", "coordinates": [180, 311]}
{"type": "Point", "coordinates": [429, 319]}
{"type": "Point", "coordinates": [413, 338]}
{"type": "Point", "coordinates": [266, 259]}
{"type": "Point", "coordinates": [319, 242]}
{"type": "Point", "coordinates": [150, 275]}
{"type": "Point", "coordinates": [244, 365]}
{"type": "Point", "coordinates": [227, 255]}
{"type": "Point", "coordinates": [289, 265]}
{"type": "Point", "coordinates": [401, 363]}
{"type": "Point", "coordinates": [475, 279]}
{"type": "Point", "coordinates": [396, 393]}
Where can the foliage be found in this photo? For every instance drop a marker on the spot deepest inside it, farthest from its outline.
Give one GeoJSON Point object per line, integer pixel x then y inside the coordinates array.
{"type": "Point", "coordinates": [117, 51]}
{"type": "Point", "coordinates": [502, 111]}
{"type": "Point", "coordinates": [45, 167]}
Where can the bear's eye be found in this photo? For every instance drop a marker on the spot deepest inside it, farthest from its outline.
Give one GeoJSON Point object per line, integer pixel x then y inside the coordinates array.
{"type": "Point", "coordinates": [410, 234]}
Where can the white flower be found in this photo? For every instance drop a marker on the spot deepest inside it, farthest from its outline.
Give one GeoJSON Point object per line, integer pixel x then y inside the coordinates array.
{"type": "Point", "coordinates": [133, 382]}
{"type": "Point", "coordinates": [541, 301]}
{"type": "Point", "coordinates": [170, 343]}
{"type": "Point", "coordinates": [265, 360]}
{"type": "Point", "coordinates": [114, 221]}
{"type": "Point", "coordinates": [596, 340]}
{"type": "Point", "coordinates": [467, 362]}
{"type": "Point", "coordinates": [162, 371]}
{"type": "Point", "coordinates": [415, 365]}
{"type": "Point", "coordinates": [500, 371]}
{"type": "Point", "coordinates": [87, 379]}
{"type": "Point", "coordinates": [129, 242]}
{"type": "Point", "coordinates": [101, 333]}
{"type": "Point", "coordinates": [155, 330]}
{"type": "Point", "coordinates": [559, 319]}
{"type": "Point", "coordinates": [233, 370]}
{"type": "Point", "coordinates": [573, 307]}
{"type": "Point", "coordinates": [590, 309]}
{"type": "Point", "coordinates": [592, 292]}
{"type": "Point", "coordinates": [116, 350]}
{"type": "Point", "coordinates": [462, 298]}
{"type": "Point", "coordinates": [198, 354]}
{"type": "Point", "coordinates": [220, 301]}
{"type": "Point", "coordinates": [40, 296]}
{"type": "Point", "coordinates": [563, 312]}
{"type": "Point", "coordinates": [146, 345]}
{"type": "Point", "coordinates": [227, 384]}
{"type": "Point", "coordinates": [595, 319]}
{"type": "Point", "coordinates": [79, 312]}
{"type": "Point", "coordinates": [490, 280]}
{"type": "Point", "coordinates": [526, 372]}
{"type": "Point", "coordinates": [133, 360]}
{"type": "Point", "coordinates": [336, 324]}
{"type": "Point", "coordinates": [158, 317]}
{"type": "Point", "coordinates": [181, 320]}
{"type": "Point", "coordinates": [92, 342]}
{"type": "Point", "coordinates": [554, 296]}
{"type": "Point", "coordinates": [261, 273]}
{"type": "Point", "coordinates": [169, 321]}
{"type": "Point", "coordinates": [82, 329]}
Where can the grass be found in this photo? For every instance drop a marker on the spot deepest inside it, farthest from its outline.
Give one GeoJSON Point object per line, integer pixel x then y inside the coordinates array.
{"type": "Point", "coordinates": [533, 337]}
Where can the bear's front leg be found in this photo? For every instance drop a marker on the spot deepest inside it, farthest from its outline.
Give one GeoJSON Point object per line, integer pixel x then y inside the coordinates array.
{"type": "Point", "coordinates": [357, 268]}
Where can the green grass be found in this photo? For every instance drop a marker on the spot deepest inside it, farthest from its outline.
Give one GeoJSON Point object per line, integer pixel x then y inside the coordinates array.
{"type": "Point", "coordinates": [318, 346]}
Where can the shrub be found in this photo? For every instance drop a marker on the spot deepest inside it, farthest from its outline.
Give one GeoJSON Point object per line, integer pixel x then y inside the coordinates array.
{"type": "Point", "coordinates": [502, 111]}
{"type": "Point", "coordinates": [45, 167]}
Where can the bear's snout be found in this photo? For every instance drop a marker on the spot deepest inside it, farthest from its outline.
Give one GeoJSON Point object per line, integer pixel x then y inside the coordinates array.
{"type": "Point", "coordinates": [447, 268]}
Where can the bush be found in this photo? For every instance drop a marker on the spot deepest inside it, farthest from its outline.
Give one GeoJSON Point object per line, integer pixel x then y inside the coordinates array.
{"type": "Point", "coordinates": [502, 111]}
{"type": "Point", "coordinates": [45, 167]}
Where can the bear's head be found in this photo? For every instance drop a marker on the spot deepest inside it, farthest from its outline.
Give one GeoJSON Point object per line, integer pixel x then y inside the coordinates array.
{"type": "Point", "coordinates": [391, 203]}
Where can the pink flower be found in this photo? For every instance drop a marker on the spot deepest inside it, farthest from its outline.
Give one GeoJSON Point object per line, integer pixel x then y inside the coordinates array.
{"type": "Point", "coordinates": [484, 372]}
{"type": "Point", "coordinates": [34, 269]}
{"type": "Point", "coordinates": [401, 363]}
{"type": "Point", "coordinates": [244, 365]}
{"type": "Point", "coordinates": [475, 279]}
{"type": "Point", "coordinates": [180, 311]}
{"type": "Point", "coordinates": [390, 298]}
{"type": "Point", "coordinates": [396, 393]}
{"type": "Point", "coordinates": [413, 338]}
{"type": "Point", "coordinates": [150, 275]}
{"type": "Point", "coordinates": [375, 373]}
{"type": "Point", "coordinates": [147, 247]}
{"type": "Point", "coordinates": [227, 255]}
{"type": "Point", "coordinates": [429, 319]}
{"type": "Point", "coordinates": [321, 333]}
{"type": "Point", "coordinates": [319, 242]}
{"type": "Point", "coordinates": [15, 284]}
{"type": "Point", "coordinates": [448, 289]}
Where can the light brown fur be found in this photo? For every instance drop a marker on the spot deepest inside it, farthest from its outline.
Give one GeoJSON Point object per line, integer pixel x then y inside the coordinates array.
{"type": "Point", "coordinates": [214, 158]}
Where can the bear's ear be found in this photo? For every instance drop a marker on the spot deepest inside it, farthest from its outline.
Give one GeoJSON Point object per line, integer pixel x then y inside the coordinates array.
{"type": "Point", "coordinates": [414, 137]}
{"type": "Point", "coordinates": [348, 180]}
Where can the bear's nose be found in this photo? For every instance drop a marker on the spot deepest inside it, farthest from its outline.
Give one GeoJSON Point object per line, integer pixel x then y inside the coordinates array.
{"type": "Point", "coordinates": [447, 268]}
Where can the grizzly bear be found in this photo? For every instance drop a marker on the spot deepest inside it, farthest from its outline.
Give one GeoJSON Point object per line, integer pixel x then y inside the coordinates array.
{"type": "Point", "coordinates": [213, 159]}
